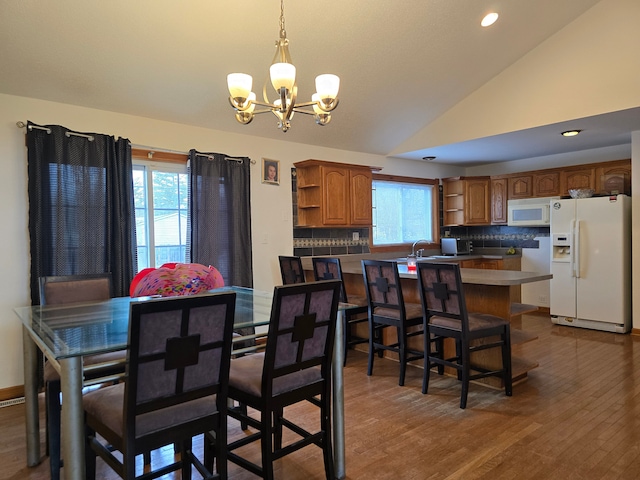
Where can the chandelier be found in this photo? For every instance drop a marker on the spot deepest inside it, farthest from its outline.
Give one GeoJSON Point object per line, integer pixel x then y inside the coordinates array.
{"type": "Point", "coordinates": [283, 78]}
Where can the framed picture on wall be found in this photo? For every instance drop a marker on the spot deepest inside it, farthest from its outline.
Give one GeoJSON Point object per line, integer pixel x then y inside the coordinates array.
{"type": "Point", "coordinates": [271, 171]}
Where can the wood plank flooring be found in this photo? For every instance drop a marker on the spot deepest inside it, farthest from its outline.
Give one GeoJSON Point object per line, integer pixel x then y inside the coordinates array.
{"type": "Point", "coordinates": [577, 416]}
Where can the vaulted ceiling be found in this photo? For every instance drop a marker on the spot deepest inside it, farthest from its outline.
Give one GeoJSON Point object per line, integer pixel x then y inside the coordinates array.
{"type": "Point", "coordinates": [402, 64]}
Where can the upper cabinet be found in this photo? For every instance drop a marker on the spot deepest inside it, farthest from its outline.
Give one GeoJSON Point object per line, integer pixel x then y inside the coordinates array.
{"type": "Point", "coordinates": [613, 177]}
{"type": "Point", "coordinates": [520, 186]}
{"type": "Point", "coordinates": [499, 201]}
{"type": "Point", "coordinates": [466, 201]}
{"type": "Point", "coordinates": [546, 184]}
{"type": "Point", "coordinates": [571, 178]}
{"type": "Point", "coordinates": [333, 194]}
{"type": "Point", "coordinates": [605, 178]}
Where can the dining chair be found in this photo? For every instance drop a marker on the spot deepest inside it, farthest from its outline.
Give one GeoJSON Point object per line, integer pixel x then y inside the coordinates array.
{"type": "Point", "coordinates": [295, 367]}
{"type": "Point", "coordinates": [328, 268]}
{"type": "Point", "coordinates": [175, 387]}
{"type": "Point", "coordinates": [388, 310]}
{"type": "Point", "coordinates": [446, 316]}
{"type": "Point", "coordinates": [65, 289]}
{"type": "Point", "coordinates": [291, 270]}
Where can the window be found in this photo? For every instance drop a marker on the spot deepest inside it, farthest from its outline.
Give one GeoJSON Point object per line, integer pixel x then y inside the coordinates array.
{"type": "Point", "coordinates": [161, 202]}
{"type": "Point", "coordinates": [404, 210]}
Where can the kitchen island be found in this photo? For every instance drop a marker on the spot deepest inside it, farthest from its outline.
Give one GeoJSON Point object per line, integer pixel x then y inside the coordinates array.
{"type": "Point", "coordinates": [486, 291]}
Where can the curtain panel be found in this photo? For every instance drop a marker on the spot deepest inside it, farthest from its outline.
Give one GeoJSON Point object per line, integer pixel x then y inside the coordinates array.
{"type": "Point", "coordinates": [81, 208]}
{"type": "Point", "coordinates": [219, 220]}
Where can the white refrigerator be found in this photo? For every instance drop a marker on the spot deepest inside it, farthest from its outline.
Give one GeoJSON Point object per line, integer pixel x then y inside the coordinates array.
{"type": "Point", "coordinates": [591, 263]}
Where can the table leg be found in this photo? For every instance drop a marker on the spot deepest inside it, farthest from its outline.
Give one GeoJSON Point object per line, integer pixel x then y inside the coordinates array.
{"type": "Point", "coordinates": [32, 413]}
{"type": "Point", "coordinates": [338, 398]}
{"type": "Point", "coordinates": [72, 418]}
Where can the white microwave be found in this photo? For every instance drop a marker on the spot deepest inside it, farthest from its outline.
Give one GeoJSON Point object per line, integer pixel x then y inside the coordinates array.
{"type": "Point", "coordinates": [529, 212]}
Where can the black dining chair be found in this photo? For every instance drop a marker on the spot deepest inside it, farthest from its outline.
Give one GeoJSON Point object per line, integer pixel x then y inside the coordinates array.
{"type": "Point", "coordinates": [446, 316]}
{"type": "Point", "coordinates": [291, 270]}
{"type": "Point", "coordinates": [388, 310]}
{"type": "Point", "coordinates": [175, 387]}
{"type": "Point", "coordinates": [66, 289]}
{"type": "Point", "coordinates": [295, 367]}
{"type": "Point", "coordinates": [328, 268]}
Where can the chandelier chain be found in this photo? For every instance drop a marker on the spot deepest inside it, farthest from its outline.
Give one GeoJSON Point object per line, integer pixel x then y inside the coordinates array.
{"type": "Point", "coordinates": [283, 32]}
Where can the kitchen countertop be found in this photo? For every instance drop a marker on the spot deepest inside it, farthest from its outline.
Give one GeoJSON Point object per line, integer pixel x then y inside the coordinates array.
{"type": "Point", "coordinates": [351, 264]}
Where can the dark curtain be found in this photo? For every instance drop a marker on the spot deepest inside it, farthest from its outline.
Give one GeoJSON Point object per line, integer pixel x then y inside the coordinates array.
{"type": "Point", "coordinates": [81, 210]}
{"type": "Point", "coordinates": [220, 215]}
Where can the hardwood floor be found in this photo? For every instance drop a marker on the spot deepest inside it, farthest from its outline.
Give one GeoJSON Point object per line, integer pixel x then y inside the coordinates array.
{"type": "Point", "coordinates": [577, 416]}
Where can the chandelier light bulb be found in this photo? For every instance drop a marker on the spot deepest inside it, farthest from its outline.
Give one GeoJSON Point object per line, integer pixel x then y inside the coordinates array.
{"type": "Point", "coordinates": [327, 86]}
{"type": "Point", "coordinates": [283, 75]}
{"type": "Point", "coordinates": [239, 85]}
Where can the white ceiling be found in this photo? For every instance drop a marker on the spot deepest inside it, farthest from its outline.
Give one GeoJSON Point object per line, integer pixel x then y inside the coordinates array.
{"type": "Point", "coordinates": [402, 64]}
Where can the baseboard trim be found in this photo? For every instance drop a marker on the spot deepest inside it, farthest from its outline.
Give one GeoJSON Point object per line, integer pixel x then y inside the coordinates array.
{"type": "Point", "coordinates": [635, 331]}
{"type": "Point", "coordinates": [12, 392]}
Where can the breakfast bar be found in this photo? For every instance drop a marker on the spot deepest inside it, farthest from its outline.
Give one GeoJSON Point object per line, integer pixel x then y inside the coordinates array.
{"type": "Point", "coordinates": [488, 291]}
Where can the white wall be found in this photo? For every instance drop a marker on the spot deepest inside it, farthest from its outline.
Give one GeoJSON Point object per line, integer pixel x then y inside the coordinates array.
{"type": "Point", "coordinates": [588, 68]}
{"type": "Point", "coordinates": [265, 199]}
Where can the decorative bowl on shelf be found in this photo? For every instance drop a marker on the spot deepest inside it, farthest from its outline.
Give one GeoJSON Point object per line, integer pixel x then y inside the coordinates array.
{"type": "Point", "coordinates": [581, 192]}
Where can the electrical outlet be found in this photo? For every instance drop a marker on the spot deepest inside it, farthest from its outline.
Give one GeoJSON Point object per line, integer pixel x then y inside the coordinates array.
{"type": "Point", "coordinates": [265, 238]}
{"type": "Point", "coordinates": [356, 236]}
{"type": "Point", "coordinates": [542, 299]}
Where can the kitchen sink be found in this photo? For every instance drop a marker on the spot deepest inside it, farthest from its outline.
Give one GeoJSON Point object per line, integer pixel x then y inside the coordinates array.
{"type": "Point", "coordinates": [420, 259]}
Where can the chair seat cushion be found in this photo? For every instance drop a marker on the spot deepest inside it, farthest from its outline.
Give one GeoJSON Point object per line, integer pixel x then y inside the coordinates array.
{"type": "Point", "coordinates": [413, 311]}
{"type": "Point", "coordinates": [477, 321]}
{"type": "Point", "coordinates": [107, 404]}
{"type": "Point", "coordinates": [358, 300]}
{"type": "Point", "coordinates": [246, 375]}
{"type": "Point", "coordinates": [50, 374]}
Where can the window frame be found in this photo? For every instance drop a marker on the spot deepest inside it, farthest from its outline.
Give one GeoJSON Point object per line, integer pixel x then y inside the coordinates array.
{"type": "Point", "coordinates": [435, 213]}
{"type": "Point", "coordinates": [159, 161]}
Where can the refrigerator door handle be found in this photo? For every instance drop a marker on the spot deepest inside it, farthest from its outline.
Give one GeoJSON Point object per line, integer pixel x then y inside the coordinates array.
{"type": "Point", "coordinates": [572, 249]}
{"type": "Point", "coordinates": [576, 251]}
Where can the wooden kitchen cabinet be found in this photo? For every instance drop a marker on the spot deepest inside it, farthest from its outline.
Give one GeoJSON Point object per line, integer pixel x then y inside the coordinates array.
{"type": "Point", "coordinates": [613, 177]}
{"type": "Point", "coordinates": [604, 177]}
{"type": "Point", "coordinates": [333, 194]}
{"type": "Point", "coordinates": [466, 201]}
{"type": "Point", "coordinates": [499, 201]}
{"type": "Point", "coordinates": [577, 178]}
{"type": "Point", "coordinates": [546, 184]}
{"type": "Point", "coordinates": [520, 186]}
{"type": "Point", "coordinates": [477, 201]}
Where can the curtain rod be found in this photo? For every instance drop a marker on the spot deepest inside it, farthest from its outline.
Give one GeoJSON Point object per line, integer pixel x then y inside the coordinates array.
{"type": "Point", "coordinates": [210, 157]}
{"type": "Point", "coordinates": [21, 124]}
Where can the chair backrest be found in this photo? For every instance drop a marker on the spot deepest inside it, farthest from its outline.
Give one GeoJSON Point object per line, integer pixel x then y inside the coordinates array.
{"type": "Point", "coordinates": [300, 339]}
{"type": "Point", "coordinates": [325, 268]}
{"type": "Point", "coordinates": [291, 270]}
{"type": "Point", "coordinates": [179, 351]}
{"type": "Point", "coordinates": [382, 284]}
{"type": "Point", "coordinates": [441, 292]}
{"type": "Point", "coordinates": [62, 289]}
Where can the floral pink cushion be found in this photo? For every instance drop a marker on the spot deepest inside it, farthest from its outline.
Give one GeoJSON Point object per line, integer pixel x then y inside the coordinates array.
{"type": "Point", "coordinates": [175, 279]}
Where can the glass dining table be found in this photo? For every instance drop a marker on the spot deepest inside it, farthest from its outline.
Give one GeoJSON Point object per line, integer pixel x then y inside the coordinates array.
{"type": "Point", "coordinates": [65, 333]}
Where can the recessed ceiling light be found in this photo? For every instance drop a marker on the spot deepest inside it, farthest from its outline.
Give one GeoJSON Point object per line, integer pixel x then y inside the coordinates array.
{"type": "Point", "coordinates": [429, 159]}
{"type": "Point", "coordinates": [489, 19]}
{"type": "Point", "coordinates": [570, 133]}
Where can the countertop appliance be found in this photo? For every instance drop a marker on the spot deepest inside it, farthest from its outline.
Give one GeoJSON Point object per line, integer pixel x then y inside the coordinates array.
{"type": "Point", "coordinates": [591, 263]}
{"type": "Point", "coordinates": [455, 246]}
{"type": "Point", "coordinates": [529, 212]}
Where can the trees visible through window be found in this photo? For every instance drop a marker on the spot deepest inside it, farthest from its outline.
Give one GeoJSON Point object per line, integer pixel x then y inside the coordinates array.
{"type": "Point", "coordinates": [161, 203]}
{"type": "Point", "coordinates": [404, 211]}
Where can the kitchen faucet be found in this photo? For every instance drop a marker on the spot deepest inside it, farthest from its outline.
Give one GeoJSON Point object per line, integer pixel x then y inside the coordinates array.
{"type": "Point", "coordinates": [413, 247]}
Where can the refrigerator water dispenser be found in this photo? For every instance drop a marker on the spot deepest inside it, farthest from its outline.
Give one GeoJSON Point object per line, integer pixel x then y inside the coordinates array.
{"type": "Point", "coordinates": [561, 248]}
